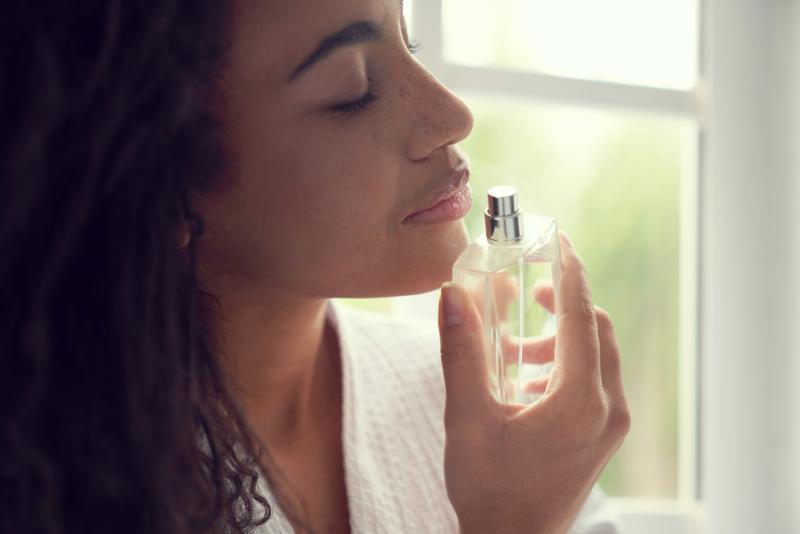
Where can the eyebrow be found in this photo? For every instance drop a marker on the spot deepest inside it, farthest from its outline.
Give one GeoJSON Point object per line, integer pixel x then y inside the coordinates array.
{"type": "Point", "coordinates": [357, 32]}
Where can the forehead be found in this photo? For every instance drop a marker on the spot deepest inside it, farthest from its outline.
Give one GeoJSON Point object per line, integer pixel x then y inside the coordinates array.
{"type": "Point", "coordinates": [279, 34]}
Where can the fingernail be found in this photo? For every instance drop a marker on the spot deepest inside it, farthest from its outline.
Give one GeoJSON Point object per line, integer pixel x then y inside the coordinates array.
{"type": "Point", "coordinates": [452, 305]}
{"type": "Point", "coordinates": [566, 240]}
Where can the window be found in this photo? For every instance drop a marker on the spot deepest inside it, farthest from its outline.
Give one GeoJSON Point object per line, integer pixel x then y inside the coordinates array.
{"type": "Point", "coordinates": [590, 110]}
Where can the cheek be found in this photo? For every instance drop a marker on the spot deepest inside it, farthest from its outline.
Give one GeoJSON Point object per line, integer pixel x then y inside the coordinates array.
{"type": "Point", "coordinates": [312, 224]}
{"type": "Point", "coordinates": [319, 215]}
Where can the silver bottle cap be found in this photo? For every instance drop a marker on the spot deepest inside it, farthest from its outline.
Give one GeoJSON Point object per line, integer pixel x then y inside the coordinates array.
{"type": "Point", "coordinates": [503, 217]}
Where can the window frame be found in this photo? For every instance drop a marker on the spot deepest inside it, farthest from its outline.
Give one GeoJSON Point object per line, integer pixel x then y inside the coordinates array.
{"type": "Point", "coordinates": [751, 231]}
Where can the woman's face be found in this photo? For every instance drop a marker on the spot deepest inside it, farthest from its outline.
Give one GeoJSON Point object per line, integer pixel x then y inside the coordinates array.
{"type": "Point", "coordinates": [315, 203]}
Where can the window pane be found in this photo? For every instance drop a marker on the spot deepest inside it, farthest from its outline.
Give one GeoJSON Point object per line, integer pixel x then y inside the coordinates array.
{"type": "Point", "coordinates": [643, 42]}
{"type": "Point", "coordinates": [612, 181]}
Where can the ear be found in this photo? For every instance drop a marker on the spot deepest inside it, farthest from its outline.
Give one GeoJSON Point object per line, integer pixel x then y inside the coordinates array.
{"type": "Point", "coordinates": [183, 234]}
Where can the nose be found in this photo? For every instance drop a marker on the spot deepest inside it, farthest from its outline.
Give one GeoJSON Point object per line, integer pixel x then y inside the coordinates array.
{"type": "Point", "coordinates": [439, 117]}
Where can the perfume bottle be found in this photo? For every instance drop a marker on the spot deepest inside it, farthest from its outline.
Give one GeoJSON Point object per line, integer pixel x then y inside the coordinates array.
{"type": "Point", "coordinates": [501, 270]}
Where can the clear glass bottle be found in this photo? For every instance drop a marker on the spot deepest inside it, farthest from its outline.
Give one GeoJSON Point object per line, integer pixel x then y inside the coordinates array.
{"type": "Point", "coordinates": [500, 270]}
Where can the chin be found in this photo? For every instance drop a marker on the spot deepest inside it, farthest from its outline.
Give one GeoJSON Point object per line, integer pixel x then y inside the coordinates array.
{"type": "Point", "coordinates": [434, 265]}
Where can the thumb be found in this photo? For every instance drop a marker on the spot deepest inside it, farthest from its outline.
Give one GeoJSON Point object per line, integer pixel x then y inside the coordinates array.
{"type": "Point", "coordinates": [463, 357]}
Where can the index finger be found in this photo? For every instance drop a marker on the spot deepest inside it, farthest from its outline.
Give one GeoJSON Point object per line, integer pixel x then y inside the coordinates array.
{"type": "Point", "coordinates": [577, 340]}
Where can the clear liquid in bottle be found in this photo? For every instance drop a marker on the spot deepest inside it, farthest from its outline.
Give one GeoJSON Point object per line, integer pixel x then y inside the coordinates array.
{"type": "Point", "coordinates": [501, 270]}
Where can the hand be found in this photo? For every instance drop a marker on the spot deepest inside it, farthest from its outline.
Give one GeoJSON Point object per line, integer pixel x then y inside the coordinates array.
{"type": "Point", "coordinates": [517, 468]}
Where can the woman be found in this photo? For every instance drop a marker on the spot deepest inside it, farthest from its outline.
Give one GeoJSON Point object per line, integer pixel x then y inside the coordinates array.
{"type": "Point", "coordinates": [185, 186]}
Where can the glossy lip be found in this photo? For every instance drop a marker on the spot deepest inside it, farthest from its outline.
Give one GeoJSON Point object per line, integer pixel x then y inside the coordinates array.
{"type": "Point", "coordinates": [457, 181]}
{"type": "Point", "coordinates": [452, 208]}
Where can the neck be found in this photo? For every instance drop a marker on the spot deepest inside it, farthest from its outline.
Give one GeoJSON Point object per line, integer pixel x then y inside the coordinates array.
{"type": "Point", "coordinates": [281, 360]}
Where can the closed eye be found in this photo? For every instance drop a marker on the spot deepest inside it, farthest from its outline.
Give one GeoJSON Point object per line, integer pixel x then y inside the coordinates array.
{"type": "Point", "coordinates": [348, 108]}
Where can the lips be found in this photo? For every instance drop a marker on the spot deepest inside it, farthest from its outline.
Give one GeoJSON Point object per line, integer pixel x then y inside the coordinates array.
{"type": "Point", "coordinates": [457, 179]}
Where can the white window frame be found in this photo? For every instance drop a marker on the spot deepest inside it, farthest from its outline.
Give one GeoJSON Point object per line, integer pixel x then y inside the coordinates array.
{"type": "Point", "coordinates": [750, 321]}
{"type": "Point", "coordinates": [721, 489]}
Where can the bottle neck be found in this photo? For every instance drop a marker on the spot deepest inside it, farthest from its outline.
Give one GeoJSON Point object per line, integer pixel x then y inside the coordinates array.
{"type": "Point", "coordinates": [504, 228]}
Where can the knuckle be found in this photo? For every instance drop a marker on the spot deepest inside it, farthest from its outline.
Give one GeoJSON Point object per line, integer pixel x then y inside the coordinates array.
{"type": "Point", "coordinates": [604, 321]}
{"type": "Point", "coordinates": [619, 421]}
{"type": "Point", "coordinates": [598, 410]}
{"type": "Point", "coordinates": [603, 318]}
{"type": "Point", "coordinates": [591, 418]}
{"type": "Point", "coordinates": [583, 310]}
{"type": "Point", "coordinates": [455, 355]}
{"type": "Point", "coordinates": [586, 306]}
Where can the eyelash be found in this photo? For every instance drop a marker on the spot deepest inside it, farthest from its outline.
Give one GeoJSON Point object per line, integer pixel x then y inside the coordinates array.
{"type": "Point", "coordinates": [357, 105]}
{"type": "Point", "coordinates": [367, 98]}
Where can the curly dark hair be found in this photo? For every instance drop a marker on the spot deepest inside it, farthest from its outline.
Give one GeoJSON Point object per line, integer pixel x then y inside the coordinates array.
{"type": "Point", "coordinates": [114, 412]}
